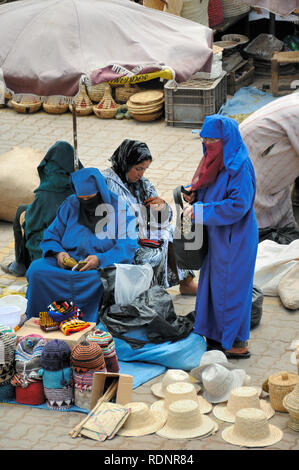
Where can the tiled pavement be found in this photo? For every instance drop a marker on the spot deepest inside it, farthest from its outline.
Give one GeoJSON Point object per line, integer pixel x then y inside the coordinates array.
{"type": "Point", "coordinates": [175, 156]}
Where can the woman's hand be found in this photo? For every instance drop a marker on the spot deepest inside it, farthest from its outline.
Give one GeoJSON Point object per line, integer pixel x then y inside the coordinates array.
{"type": "Point", "coordinates": [190, 198]}
{"type": "Point", "coordinates": [60, 257]}
{"type": "Point", "coordinates": [189, 212]}
{"type": "Point", "coordinates": [155, 201]}
{"type": "Point", "coordinates": [92, 262]}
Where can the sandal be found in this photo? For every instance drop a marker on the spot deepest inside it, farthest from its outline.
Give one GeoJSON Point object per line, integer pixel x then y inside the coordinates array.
{"type": "Point", "coordinates": [237, 353]}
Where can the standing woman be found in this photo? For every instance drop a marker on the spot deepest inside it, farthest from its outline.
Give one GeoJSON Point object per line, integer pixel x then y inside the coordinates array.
{"type": "Point", "coordinates": [223, 193]}
{"type": "Point", "coordinates": [129, 163]}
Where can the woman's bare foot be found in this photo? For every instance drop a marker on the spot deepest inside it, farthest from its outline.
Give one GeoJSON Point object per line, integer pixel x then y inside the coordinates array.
{"type": "Point", "coordinates": [188, 286]}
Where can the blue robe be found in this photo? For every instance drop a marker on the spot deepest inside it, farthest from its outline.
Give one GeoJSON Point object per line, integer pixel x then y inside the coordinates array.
{"type": "Point", "coordinates": [224, 296]}
{"type": "Point", "coordinates": [116, 242]}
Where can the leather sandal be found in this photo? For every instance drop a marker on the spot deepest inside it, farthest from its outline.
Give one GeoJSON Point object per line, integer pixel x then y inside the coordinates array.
{"type": "Point", "coordinates": [237, 353]}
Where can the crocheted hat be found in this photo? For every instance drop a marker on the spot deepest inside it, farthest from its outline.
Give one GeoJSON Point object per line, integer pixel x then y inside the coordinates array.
{"type": "Point", "coordinates": [7, 353]}
{"type": "Point", "coordinates": [59, 398]}
{"type": "Point", "coordinates": [105, 340]}
{"type": "Point", "coordinates": [7, 392]}
{"type": "Point", "coordinates": [56, 355]}
{"type": "Point", "coordinates": [87, 356]}
{"type": "Point", "coordinates": [33, 394]}
{"type": "Point", "coordinates": [28, 360]}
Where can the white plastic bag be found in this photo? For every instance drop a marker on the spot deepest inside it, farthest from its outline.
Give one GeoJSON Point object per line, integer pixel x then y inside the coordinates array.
{"type": "Point", "coordinates": [272, 263]}
{"type": "Point", "coordinates": [130, 281]}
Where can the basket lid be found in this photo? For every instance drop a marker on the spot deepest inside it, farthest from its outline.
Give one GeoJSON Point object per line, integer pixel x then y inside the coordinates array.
{"type": "Point", "coordinates": [147, 97]}
{"type": "Point", "coordinates": [284, 379]}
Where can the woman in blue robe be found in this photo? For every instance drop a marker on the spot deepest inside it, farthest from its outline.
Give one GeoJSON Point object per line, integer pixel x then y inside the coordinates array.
{"type": "Point", "coordinates": [223, 193]}
{"type": "Point", "coordinates": [91, 225]}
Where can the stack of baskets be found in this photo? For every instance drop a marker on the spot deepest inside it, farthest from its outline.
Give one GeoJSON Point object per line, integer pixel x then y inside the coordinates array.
{"type": "Point", "coordinates": [123, 93]}
{"type": "Point", "coordinates": [106, 108]}
{"type": "Point", "coordinates": [52, 106]}
{"type": "Point", "coordinates": [83, 104]}
{"type": "Point", "coordinates": [232, 8]}
{"type": "Point", "coordinates": [146, 105]}
{"type": "Point", "coordinates": [27, 104]}
{"type": "Point", "coordinates": [291, 404]}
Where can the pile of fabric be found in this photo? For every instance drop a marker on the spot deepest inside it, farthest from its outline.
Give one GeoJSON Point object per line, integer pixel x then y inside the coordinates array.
{"type": "Point", "coordinates": [64, 316]}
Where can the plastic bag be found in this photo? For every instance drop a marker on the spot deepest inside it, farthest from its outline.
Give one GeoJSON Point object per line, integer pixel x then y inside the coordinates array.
{"type": "Point", "coordinates": [130, 281]}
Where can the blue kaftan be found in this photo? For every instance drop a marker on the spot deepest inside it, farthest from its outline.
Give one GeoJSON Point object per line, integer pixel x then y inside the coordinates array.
{"type": "Point", "coordinates": [116, 242]}
{"type": "Point", "coordinates": [224, 296]}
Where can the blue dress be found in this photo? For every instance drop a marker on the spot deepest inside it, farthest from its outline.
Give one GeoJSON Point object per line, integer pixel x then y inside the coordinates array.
{"type": "Point", "coordinates": [116, 242]}
{"type": "Point", "coordinates": [224, 296]}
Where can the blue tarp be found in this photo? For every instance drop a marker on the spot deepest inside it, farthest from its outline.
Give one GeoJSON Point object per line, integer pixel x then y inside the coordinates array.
{"type": "Point", "coordinates": [245, 101]}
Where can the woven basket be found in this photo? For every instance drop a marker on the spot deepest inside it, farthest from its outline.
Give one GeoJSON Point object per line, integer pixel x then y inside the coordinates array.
{"type": "Point", "coordinates": [83, 104]}
{"type": "Point", "coordinates": [291, 404]}
{"type": "Point", "coordinates": [215, 13]}
{"type": "Point", "coordinates": [107, 108]}
{"type": "Point", "coordinates": [51, 107]}
{"type": "Point", "coordinates": [234, 8]}
{"type": "Point", "coordinates": [155, 4]}
{"type": "Point", "coordinates": [146, 117]}
{"type": "Point", "coordinates": [122, 94]}
{"type": "Point", "coordinates": [27, 105]}
{"type": "Point", "coordinates": [96, 92]}
{"type": "Point", "coordinates": [280, 385]}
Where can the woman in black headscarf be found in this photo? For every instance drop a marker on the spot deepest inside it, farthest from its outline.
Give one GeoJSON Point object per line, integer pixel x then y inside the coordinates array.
{"type": "Point", "coordinates": [125, 178]}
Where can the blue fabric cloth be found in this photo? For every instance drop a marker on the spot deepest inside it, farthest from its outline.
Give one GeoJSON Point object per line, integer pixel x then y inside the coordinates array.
{"type": "Point", "coordinates": [246, 101]}
{"type": "Point", "coordinates": [115, 242]}
{"type": "Point", "coordinates": [224, 296]}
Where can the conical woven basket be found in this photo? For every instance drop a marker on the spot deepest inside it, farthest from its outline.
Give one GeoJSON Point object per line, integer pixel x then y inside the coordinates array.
{"type": "Point", "coordinates": [96, 92]}
{"type": "Point", "coordinates": [280, 385]}
{"type": "Point", "coordinates": [52, 107]}
{"type": "Point", "coordinates": [107, 108]}
{"type": "Point", "coordinates": [234, 8]}
{"type": "Point", "coordinates": [26, 105]}
{"type": "Point", "coordinates": [83, 104]}
{"type": "Point", "coordinates": [122, 94]}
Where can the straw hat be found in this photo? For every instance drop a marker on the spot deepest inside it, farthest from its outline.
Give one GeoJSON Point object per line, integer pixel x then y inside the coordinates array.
{"type": "Point", "coordinates": [171, 376]}
{"type": "Point", "coordinates": [141, 421]}
{"type": "Point", "coordinates": [241, 397]}
{"type": "Point", "coordinates": [211, 357]}
{"type": "Point", "coordinates": [184, 421]}
{"type": "Point", "coordinates": [181, 391]}
{"type": "Point", "coordinates": [219, 381]}
{"type": "Point", "coordinates": [251, 429]}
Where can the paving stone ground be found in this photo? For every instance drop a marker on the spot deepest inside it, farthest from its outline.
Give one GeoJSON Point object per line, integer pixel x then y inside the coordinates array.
{"type": "Point", "coordinates": [176, 152]}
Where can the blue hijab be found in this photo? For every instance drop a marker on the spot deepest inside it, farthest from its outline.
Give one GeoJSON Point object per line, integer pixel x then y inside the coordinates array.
{"type": "Point", "coordinates": [234, 150]}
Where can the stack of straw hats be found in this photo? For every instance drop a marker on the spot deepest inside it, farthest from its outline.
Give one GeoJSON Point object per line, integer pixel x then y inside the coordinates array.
{"type": "Point", "coordinates": [171, 376]}
{"type": "Point", "coordinates": [141, 420]}
{"type": "Point", "coordinates": [146, 105]}
{"type": "Point", "coordinates": [291, 404]}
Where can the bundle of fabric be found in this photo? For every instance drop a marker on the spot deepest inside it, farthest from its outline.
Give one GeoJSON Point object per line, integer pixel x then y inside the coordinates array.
{"type": "Point", "coordinates": [7, 357]}
{"type": "Point", "coordinates": [86, 359]}
{"type": "Point", "coordinates": [106, 342]}
{"type": "Point", "coordinates": [27, 379]}
{"type": "Point", "coordinates": [56, 375]}
{"type": "Point", "coordinates": [68, 316]}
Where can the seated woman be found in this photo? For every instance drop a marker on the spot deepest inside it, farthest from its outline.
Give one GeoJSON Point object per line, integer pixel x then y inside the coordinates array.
{"type": "Point", "coordinates": [129, 162]}
{"type": "Point", "coordinates": [31, 221]}
{"type": "Point", "coordinates": [223, 199]}
{"type": "Point", "coordinates": [89, 227]}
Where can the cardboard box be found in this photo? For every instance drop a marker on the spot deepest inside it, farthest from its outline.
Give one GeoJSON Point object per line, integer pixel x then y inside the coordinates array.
{"type": "Point", "coordinates": [32, 326]}
{"type": "Point", "coordinates": [101, 381]}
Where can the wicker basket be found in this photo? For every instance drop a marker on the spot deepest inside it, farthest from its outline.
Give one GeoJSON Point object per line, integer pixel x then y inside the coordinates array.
{"type": "Point", "coordinates": [51, 107]}
{"type": "Point", "coordinates": [107, 108]}
{"type": "Point", "coordinates": [146, 117]}
{"type": "Point", "coordinates": [122, 94]}
{"type": "Point", "coordinates": [232, 8]}
{"type": "Point", "coordinates": [83, 104]}
{"type": "Point", "coordinates": [280, 385]}
{"type": "Point", "coordinates": [26, 105]}
{"type": "Point", "coordinates": [96, 92]}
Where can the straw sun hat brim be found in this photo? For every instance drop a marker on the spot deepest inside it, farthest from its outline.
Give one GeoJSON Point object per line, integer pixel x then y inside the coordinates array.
{"type": "Point", "coordinates": [204, 406]}
{"type": "Point", "coordinates": [207, 427]}
{"type": "Point", "coordinates": [221, 412]}
{"type": "Point", "coordinates": [275, 435]}
{"type": "Point", "coordinates": [157, 389]}
{"type": "Point", "coordinates": [238, 376]}
{"type": "Point", "coordinates": [158, 422]}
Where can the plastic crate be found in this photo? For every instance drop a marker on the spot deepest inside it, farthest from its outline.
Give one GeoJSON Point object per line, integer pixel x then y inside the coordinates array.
{"type": "Point", "coordinates": [190, 102]}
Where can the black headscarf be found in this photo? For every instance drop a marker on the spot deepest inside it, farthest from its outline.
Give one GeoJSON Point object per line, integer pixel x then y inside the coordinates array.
{"type": "Point", "coordinates": [87, 212]}
{"type": "Point", "coordinates": [129, 153]}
